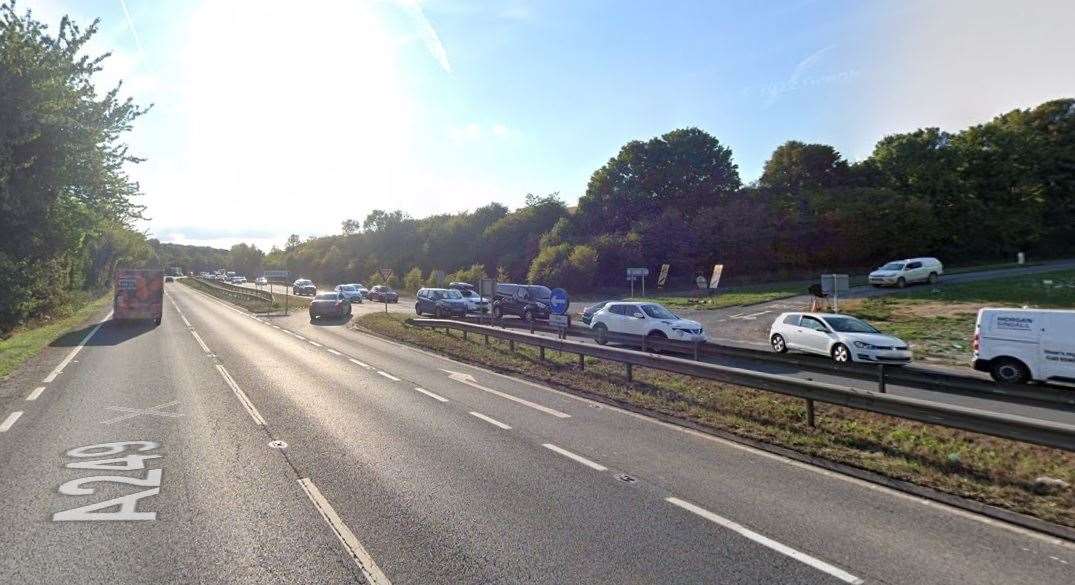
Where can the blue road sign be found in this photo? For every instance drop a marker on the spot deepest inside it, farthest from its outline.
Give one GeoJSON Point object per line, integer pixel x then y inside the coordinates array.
{"type": "Point", "coordinates": [558, 301]}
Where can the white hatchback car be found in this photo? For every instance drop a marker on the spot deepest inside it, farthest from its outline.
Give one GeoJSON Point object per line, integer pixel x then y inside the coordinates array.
{"type": "Point", "coordinates": [648, 319]}
{"type": "Point", "coordinates": [842, 337]}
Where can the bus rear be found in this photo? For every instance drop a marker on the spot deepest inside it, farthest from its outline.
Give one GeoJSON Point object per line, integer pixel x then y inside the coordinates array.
{"type": "Point", "coordinates": [139, 295]}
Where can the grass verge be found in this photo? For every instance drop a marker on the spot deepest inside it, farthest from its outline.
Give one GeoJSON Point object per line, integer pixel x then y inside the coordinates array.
{"type": "Point", "coordinates": [732, 297]}
{"type": "Point", "coordinates": [293, 302]}
{"type": "Point", "coordinates": [995, 471]}
{"type": "Point", "coordinates": [27, 340]}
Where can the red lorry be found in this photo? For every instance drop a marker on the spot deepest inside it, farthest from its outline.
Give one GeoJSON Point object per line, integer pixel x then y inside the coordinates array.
{"type": "Point", "coordinates": [139, 295]}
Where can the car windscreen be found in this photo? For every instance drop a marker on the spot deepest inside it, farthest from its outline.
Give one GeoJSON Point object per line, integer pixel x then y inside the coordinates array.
{"type": "Point", "coordinates": [850, 325]}
{"type": "Point", "coordinates": [893, 266]}
{"type": "Point", "coordinates": [327, 297]}
{"type": "Point", "coordinates": [349, 287]}
{"type": "Point", "coordinates": [302, 282]}
{"type": "Point", "coordinates": [658, 312]}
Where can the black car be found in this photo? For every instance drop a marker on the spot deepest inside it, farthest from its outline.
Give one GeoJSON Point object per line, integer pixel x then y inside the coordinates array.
{"type": "Point", "coordinates": [440, 302]}
{"type": "Point", "coordinates": [383, 294]}
{"type": "Point", "coordinates": [303, 287]}
{"type": "Point", "coordinates": [529, 301]}
{"type": "Point", "coordinates": [331, 304]}
{"type": "Point", "coordinates": [588, 312]}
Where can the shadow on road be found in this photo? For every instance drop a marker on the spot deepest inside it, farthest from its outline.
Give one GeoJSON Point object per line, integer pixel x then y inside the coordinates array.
{"type": "Point", "coordinates": [112, 332]}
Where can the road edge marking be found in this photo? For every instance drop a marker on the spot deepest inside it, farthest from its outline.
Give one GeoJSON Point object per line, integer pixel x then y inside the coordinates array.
{"type": "Point", "coordinates": [36, 393]}
{"type": "Point", "coordinates": [67, 360]}
{"type": "Point", "coordinates": [243, 398]}
{"type": "Point", "coordinates": [575, 457]}
{"type": "Point", "coordinates": [359, 554]}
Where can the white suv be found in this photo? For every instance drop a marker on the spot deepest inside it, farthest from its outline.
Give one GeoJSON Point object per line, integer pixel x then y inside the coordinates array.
{"type": "Point", "coordinates": [649, 319]}
{"type": "Point", "coordinates": [842, 337]}
{"type": "Point", "coordinates": [903, 272]}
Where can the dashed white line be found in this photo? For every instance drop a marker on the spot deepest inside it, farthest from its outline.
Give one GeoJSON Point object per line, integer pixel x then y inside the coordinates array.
{"type": "Point", "coordinates": [198, 338]}
{"type": "Point", "coordinates": [431, 394]}
{"type": "Point", "coordinates": [183, 317]}
{"type": "Point", "coordinates": [361, 364]}
{"type": "Point", "coordinates": [491, 420]}
{"type": "Point", "coordinates": [313, 343]}
{"type": "Point", "coordinates": [59, 368]}
{"type": "Point", "coordinates": [36, 393]}
{"type": "Point", "coordinates": [243, 399]}
{"type": "Point", "coordinates": [387, 375]}
{"type": "Point", "coordinates": [9, 421]}
{"type": "Point", "coordinates": [333, 352]}
{"type": "Point", "coordinates": [766, 541]}
{"type": "Point", "coordinates": [297, 336]}
{"type": "Point", "coordinates": [572, 456]}
{"type": "Point", "coordinates": [359, 554]}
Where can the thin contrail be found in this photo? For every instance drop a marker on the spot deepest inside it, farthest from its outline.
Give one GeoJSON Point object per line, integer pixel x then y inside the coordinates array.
{"type": "Point", "coordinates": [130, 25]}
{"type": "Point", "coordinates": [427, 33]}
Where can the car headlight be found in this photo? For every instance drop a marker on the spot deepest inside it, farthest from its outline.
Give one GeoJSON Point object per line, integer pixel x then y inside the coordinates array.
{"type": "Point", "coordinates": [864, 345]}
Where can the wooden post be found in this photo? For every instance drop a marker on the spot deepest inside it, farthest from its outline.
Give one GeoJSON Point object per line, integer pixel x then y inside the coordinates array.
{"type": "Point", "coordinates": [630, 377]}
{"type": "Point", "coordinates": [464, 335]}
{"type": "Point", "coordinates": [486, 339]}
{"type": "Point", "coordinates": [582, 362]}
{"type": "Point", "coordinates": [542, 352]}
{"type": "Point", "coordinates": [881, 379]}
{"type": "Point", "coordinates": [810, 413]}
{"type": "Point", "coordinates": [511, 344]}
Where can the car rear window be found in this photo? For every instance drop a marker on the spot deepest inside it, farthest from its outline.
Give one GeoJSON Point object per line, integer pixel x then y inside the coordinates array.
{"type": "Point", "coordinates": [327, 297]}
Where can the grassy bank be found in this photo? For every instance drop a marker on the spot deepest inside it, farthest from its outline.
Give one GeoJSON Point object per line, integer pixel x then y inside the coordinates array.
{"type": "Point", "coordinates": [293, 303]}
{"type": "Point", "coordinates": [24, 342]}
{"type": "Point", "coordinates": [994, 471]}
{"type": "Point", "coordinates": [938, 321]}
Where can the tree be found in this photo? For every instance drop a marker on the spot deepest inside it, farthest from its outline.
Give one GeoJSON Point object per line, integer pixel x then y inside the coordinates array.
{"type": "Point", "coordinates": [797, 171]}
{"type": "Point", "coordinates": [412, 281]}
{"type": "Point", "coordinates": [293, 241]}
{"type": "Point", "coordinates": [351, 226]}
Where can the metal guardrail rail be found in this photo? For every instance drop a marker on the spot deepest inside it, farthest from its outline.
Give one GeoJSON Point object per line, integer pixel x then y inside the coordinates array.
{"type": "Point", "coordinates": [1017, 428]}
{"type": "Point", "coordinates": [1029, 395]}
{"type": "Point", "coordinates": [237, 292]}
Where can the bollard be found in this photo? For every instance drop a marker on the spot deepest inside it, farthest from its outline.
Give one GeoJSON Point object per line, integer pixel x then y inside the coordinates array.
{"type": "Point", "coordinates": [630, 376]}
{"type": "Point", "coordinates": [582, 362]}
{"type": "Point", "coordinates": [881, 378]}
{"type": "Point", "coordinates": [810, 413]}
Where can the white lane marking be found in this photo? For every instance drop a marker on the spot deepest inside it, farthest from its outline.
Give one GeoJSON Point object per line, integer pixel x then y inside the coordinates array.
{"type": "Point", "coordinates": [133, 412]}
{"type": "Point", "coordinates": [313, 343]}
{"type": "Point", "coordinates": [59, 368]}
{"type": "Point", "coordinates": [36, 393]}
{"type": "Point", "coordinates": [198, 338]}
{"type": "Point", "coordinates": [276, 326]}
{"type": "Point", "coordinates": [469, 381]}
{"type": "Point", "coordinates": [333, 352]}
{"type": "Point", "coordinates": [243, 399]}
{"type": "Point", "coordinates": [297, 336]}
{"type": "Point", "coordinates": [182, 316]}
{"type": "Point", "coordinates": [578, 458]}
{"type": "Point", "coordinates": [430, 394]}
{"type": "Point", "coordinates": [766, 541]}
{"type": "Point", "coordinates": [387, 375]}
{"type": "Point", "coordinates": [9, 421]}
{"type": "Point", "coordinates": [359, 554]}
{"type": "Point", "coordinates": [358, 363]}
{"type": "Point", "coordinates": [491, 420]}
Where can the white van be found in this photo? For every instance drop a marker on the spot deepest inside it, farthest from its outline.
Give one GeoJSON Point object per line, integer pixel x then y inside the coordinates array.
{"type": "Point", "coordinates": [900, 273]}
{"type": "Point", "coordinates": [1019, 345]}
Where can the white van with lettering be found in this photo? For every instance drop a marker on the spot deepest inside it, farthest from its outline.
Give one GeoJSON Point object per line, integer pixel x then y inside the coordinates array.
{"type": "Point", "coordinates": [1022, 345]}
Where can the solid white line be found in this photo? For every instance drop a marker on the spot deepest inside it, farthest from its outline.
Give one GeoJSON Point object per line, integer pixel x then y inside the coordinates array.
{"type": "Point", "coordinates": [243, 399]}
{"type": "Point", "coordinates": [387, 375]}
{"type": "Point", "coordinates": [490, 420]}
{"type": "Point", "coordinates": [313, 343]}
{"type": "Point", "coordinates": [359, 554]}
{"type": "Point", "coordinates": [198, 338]}
{"type": "Point", "coordinates": [358, 363]}
{"type": "Point", "coordinates": [766, 541]}
{"type": "Point", "coordinates": [58, 369]}
{"type": "Point", "coordinates": [333, 352]}
{"type": "Point", "coordinates": [430, 394]}
{"type": "Point", "coordinates": [183, 317]}
{"type": "Point", "coordinates": [10, 420]}
{"type": "Point", "coordinates": [37, 392]}
{"type": "Point", "coordinates": [578, 458]}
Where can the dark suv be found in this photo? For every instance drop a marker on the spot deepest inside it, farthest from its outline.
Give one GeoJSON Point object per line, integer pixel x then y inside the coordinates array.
{"type": "Point", "coordinates": [303, 287]}
{"type": "Point", "coordinates": [529, 301]}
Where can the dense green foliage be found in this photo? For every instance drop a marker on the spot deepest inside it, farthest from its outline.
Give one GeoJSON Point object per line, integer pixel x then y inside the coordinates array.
{"type": "Point", "coordinates": [66, 202]}
{"type": "Point", "coordinates": [985, 193]}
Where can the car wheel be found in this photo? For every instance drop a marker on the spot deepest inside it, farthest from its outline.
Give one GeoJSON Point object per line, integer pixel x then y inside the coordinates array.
{"type": "Point", "coordinates": [900, 282]}
{"type": "Point", "coordinates": [1009, 371]}
{"type": "Point", "coordinates": [528, 316]}
{"type": "Point", "coordinates": [932, 278]}
{"type": "Point", "coordinates": [778, 343]}
{"type": "Point", "coordinates": [657, 336]}
{"type": "Point", "coordinates": [497, 313]}
{"type": "Point", "coordinates": [840, 354]}
{"type": "Point", "coordinates": [600, 334]}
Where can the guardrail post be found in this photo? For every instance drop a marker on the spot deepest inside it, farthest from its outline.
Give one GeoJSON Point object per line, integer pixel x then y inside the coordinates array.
{"type": "Point", "coordinates": [464, 335]}
{"type": "Point", "coordinates": [486, 340]}
{"type": "Point", "coordinates": [630, 373]}
{"type": "Point", "coordinates": [697, 349]}
{"type": "Point", "coordinates": [531, 326]}
{"type": "Point", "coordinates": [644, 342]}
{"type": "Point", "coordinates": [810, 413]}
{"type": "Point", "coordinates": [511, 344]}
{"type": "Point", "coordinates": [881, 378]}
{"type": "Point", "coordinates": [582, 362]}
{"type": "Point", "coordinates": [542, 352]}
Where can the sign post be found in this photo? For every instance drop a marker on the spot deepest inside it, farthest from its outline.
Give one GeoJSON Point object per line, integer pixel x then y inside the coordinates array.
{"type": "Point", "coordinates": [637, 272]}
{"type": "Point", "coordinates": [834, 284]}
{"type": "Point", "coordinates": [386, 273]}
{"type": "Point", "coordinates": [273, 274]}
{"type": "Point", "coordinates": [558, 305]}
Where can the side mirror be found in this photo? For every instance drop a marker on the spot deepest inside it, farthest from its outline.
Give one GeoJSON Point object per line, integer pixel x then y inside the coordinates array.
{"type": "Point", "coordinates": [639, 316]}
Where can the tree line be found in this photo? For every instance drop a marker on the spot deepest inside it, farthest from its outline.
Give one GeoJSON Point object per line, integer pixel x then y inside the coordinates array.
{"type": "Point", "coordinates": [980, 194]}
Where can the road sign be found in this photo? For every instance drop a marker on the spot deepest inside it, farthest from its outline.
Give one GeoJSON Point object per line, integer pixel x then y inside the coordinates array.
{"type": "Point", "coordinates": [558, 301]}
{"type": "Point", "coordinates": [560, 321]}
{"type": "Point", "coordinates": [718, 269]}
{"type": "Point", "coordinates": [487, 287]}
{"type": "Point", "coordinates": [638, 272]}
{"type": "Point", "coordinates": [386, 273]}
{"type": "Point", "coordinates": [276, 274]}
{"type": "Point", "coordinates": [662, 279]}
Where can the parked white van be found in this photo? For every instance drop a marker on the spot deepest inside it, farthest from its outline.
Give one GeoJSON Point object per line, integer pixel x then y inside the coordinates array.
{"type": "Point", "coordinates": [1019, 345]}
{"type": "Point", "coordinates": [900, 273]}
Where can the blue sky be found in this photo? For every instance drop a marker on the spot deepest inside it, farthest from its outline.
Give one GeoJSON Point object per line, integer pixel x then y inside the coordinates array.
{"type": "Point", "coordinates": [274, 117]}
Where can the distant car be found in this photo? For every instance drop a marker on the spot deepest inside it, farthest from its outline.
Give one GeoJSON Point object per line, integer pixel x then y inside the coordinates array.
{"type": "Point", "coordinates": [440, 302]}
{"type": "Point", "coordinates": [238, 279]}
{"type": "Point", "coordinates": [529, 301]}
{"type": "Point", "coordinates": [903, 272]}
{"type": "Point", "coordinates": [383, 294]}
{"type": "Point", "coordinates": [365, 292]}
{"type": "Point", "coordinates": [842, 337]}
{"type": "Point", "coordinates": [349, 292]}
{"type": "Point", "coordinates": [645, 319]}
{"type": "Point", "coordinates": [169, 279]}
{"type": "Point", "coordinates": [475, 302]}
{"type": "Point", "coordinates": [329, 305]}
{"type": "Point", "coordinates": [586, 316]}
{"type": "Point", "coordinates": [261, 281]}
{"type": "Point", "coordinates": [303, 287]}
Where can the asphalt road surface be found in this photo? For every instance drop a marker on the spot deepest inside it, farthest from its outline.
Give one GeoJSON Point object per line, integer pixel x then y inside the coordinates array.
{"type": "Point", "coordinates": [148, 457]}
